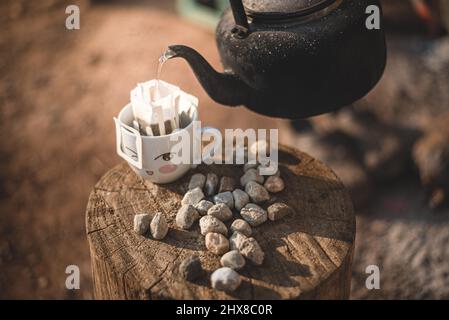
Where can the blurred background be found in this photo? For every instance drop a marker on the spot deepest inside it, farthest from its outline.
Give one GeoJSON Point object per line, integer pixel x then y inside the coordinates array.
{"type": "Point", "coordinates": [59, 90]}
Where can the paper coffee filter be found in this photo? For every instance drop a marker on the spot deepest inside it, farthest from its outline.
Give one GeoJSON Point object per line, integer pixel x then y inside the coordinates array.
{"type": "Point", "coordinates": [155, 102]}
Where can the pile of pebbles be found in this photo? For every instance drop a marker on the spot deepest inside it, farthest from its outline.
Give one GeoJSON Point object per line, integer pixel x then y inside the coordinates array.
{"type": "Point", "coordinates": [211, 200]}
{"type": "Point", "coordinates": [157, 225]}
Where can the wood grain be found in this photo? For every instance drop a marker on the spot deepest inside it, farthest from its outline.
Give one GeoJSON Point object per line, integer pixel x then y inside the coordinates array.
{"type": "Point", "coordinates": [307, 256]}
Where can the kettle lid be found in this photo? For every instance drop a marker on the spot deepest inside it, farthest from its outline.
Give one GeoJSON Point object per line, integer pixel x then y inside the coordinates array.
{"type": "Point", "coordinates": [281, 9]}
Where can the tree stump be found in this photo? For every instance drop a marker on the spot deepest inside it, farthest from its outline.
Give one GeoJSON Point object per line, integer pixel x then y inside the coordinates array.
{"type": "Point", "coordinates": [307, 255]}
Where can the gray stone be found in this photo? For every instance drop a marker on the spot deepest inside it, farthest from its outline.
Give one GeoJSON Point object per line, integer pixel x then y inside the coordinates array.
{"type": "Point", "coordinates": [142, 223]}
{"type": "Point", "coordinates": [225, 279]}
{"type": "Point", "coordinates": [251, 250]}
{"type": "Point", "coordinates": [226, 198]}
{"type": "Point", "coordinates": [211, 184]}
{"type": "Point", "coordinates": [233, 259]}
{"type": "Point", "coordinates": [236, 240]}
{"type": "Point", "coordinates": [203, 206]}
{"type": "Point", "coordinates": [220, 211]}
{"type": "Point", "coordinates": [248, 166]}
{"type": "Point", "coordinates": [226, 184]}
{"type": "Point", "coordinates": [256, 192]}
{"type": "Point", "coordinates": [241, 226]}
{"type": "Point", "coordinates": [212, 224]}
{"type": "Point", "coordinates": [186, 216]}
{"type": "Point", "coordinates": [253, 214]}
{"type": "Point", "coordinates": [197, 181]}
{"type": "Point", "coordinates": [190, 268]}
{"type": "Point", "coordinates": [241, 198]}
{"type": "Point", "coordinates": [193, 197]}
{"type": "Point", "coordinates": [251, 175]}
{"type": "Point", "coordinates": [217, 243]}
{"type": "Point", "coordinates": [279, 210]}
{"type": "Point", "coordinates": [159, 226]}
{"type": "Point", "coordinates": [274, 184]}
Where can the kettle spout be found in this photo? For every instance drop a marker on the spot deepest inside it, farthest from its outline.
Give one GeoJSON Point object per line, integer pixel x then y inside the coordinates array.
{"type": "Point", "coordinates": [224, 88]}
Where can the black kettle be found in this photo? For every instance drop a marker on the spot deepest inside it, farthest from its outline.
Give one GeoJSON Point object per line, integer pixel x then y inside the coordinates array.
{"type": "Point", "coordinates": [292, 58]}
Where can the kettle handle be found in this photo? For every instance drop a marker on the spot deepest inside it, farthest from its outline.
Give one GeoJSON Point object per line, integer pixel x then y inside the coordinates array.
{"type": "Point", "coordinates": [240, 18]}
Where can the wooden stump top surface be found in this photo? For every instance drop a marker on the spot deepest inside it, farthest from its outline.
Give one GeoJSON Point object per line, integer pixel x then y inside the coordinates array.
{"type": "Point", "coordinates": [307, 255]}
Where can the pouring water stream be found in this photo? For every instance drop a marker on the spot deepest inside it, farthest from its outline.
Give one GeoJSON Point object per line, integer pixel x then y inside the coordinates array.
{"type": "Point", "coordinates": [162, 59]}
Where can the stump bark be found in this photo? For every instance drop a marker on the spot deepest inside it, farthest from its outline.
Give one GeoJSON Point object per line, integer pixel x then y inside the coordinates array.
{"type": "Point", "coordinates": [307, 255]}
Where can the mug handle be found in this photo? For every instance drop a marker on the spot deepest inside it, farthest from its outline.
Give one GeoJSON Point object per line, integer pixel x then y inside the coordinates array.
{"type": "Point", "coordinates": [118, 130]}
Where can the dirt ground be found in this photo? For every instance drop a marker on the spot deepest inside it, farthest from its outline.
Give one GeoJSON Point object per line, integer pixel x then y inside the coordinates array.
{"type": "Point", "coordinates": [59, 91]}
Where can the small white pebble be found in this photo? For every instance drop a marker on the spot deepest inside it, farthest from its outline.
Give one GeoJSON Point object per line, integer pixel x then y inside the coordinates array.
{"type": "Point", "coordinates": [251, 250]}
{"type": "Point", "coordinates": [159, 226]}
{"type": "Point", "coordinates": [197, 181]}
{"type": "Point", "coordinates": [253, 214]}
{"type": "Point", "coordinates": [274, 184]}
{"type": "Point", "coordinates": [203, 206]}
{"type": "Point", "coordinates": [211, 185]}
{"type": "Point", "coordinates": [256, 192]}
{"type": "Point", "coordinates": [142, 223]}
{"type": "Point", "coordinates": [220, 211]}
{"type": "Point", "coordinates": [226, 184]}
{"type": "Point", "coordinates": [217, 243]}
{"type": "Point", "coordinates": [279, 210]}
{"type": "Point", "coordinates": [241, 226]}
{"type": "Point", "coordinates": [251, 175]}
{"type": "Point", "coordinates": [248, 166]}
{"type": "Point", "coordinates": [233, 259]}
{"type": "Point", "coordinates": [186, 216]}
{"type": "Point", "coordinates": [212, 224]}
{"type": "Point", "coordinates": [236, 240]}
{"type": "Point", "coordinates": [225, 279]}
{"type": "Point", "coordinates": [193, 197]}
{"type": "Point", "coordinates": [241, 198]}
{"type": "Point", "coordinates": [226, 198]}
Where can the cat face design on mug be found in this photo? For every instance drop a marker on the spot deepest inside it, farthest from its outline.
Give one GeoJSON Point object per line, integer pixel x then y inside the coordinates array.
{"type": "Point", "coordinates": [150, 157]}
{"type": "Point", "coordinates": [163, 165]}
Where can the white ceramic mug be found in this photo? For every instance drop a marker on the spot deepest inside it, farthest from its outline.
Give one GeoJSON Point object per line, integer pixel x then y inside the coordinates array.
{"type": "Point", "coordinates": [149, 156]}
